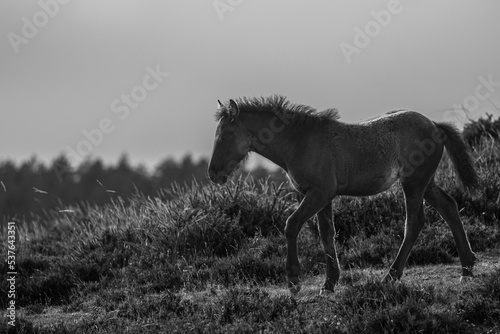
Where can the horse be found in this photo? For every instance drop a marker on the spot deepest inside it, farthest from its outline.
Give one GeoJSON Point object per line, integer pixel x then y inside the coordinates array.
{"type": "Point", "coordinates": [324, 158]}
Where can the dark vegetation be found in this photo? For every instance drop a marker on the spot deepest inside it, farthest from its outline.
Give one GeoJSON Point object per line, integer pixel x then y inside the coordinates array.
{"type": "Point", "coordinates": [208, 258]}
{"type": "Point", "coordinates": [31, 189]}
{"type": "Point", "coordinates": [486, 127]}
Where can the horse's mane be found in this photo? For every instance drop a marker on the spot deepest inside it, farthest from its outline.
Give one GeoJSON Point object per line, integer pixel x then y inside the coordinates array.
{"type": "Point", "coordinates": [278, 105]}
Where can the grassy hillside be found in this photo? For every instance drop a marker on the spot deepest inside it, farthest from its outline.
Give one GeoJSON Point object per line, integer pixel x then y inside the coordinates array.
{"type": "Point", "coordinates": [212, 260]}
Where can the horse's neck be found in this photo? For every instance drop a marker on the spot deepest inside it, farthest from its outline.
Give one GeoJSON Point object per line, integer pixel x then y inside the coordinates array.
{"type": "Point", "coordinates": [272, 140]}
{"type": "Point", "coordinates": [271, 153]}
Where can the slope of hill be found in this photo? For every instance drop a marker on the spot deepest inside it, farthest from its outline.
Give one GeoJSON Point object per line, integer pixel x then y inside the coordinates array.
{"type": "Point", "coordinates": [211, 259]}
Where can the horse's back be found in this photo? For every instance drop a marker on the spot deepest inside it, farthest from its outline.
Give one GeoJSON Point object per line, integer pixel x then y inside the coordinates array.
{"type": "Point", "coordinates": [377, 151]}
{"type": "Point", "coordinates": [399, 120]}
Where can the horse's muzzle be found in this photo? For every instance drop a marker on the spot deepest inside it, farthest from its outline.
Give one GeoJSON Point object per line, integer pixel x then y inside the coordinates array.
{"type": "Point", "coordinates": [216, 177]}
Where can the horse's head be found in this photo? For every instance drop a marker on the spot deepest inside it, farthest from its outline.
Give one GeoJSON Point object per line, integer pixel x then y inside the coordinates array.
{"type": "Point", "coordinates": [231, 144]}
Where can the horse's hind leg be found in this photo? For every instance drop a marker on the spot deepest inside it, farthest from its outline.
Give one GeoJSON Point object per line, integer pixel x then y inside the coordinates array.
{"type": "Point", "coordinates": [414, 222]}
{"type": "Point", "coordinates": [447, 208]}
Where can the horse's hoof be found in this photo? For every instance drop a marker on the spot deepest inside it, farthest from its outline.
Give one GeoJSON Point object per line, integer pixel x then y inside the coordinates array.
{"type": "Point", "coordinates": [466, 279]}
{"type": "Point", "coordinates": [328, 287]}
{"type": "Point", "coordinates": [294, 289]}
{"type": "Point", "coordinates": [467, 271]}
{"type": "Point", "coordinates": [325, 292]}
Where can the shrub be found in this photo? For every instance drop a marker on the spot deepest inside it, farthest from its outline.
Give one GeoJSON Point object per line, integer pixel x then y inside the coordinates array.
{"type": "Point", "coordinates": [476, 130]}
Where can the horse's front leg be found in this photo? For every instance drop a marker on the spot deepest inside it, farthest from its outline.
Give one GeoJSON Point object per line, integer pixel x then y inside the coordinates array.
{"type": "Point", "coordinates": [313, 201]}
{"type": "Point", "coordinates": [327, 233]}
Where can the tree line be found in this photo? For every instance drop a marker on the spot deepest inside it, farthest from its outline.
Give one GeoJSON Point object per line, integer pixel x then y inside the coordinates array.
{"type": "Point", "coordinates": [31, 189]}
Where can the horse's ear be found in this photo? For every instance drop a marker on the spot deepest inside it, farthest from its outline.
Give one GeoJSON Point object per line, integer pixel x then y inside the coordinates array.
{"type": "Point", "coordinates": [219, 105]}
{"type": "Point", "coordinates": [233, 109]}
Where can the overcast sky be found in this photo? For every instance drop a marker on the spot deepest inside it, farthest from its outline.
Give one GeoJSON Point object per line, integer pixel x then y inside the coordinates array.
{"type": "Point", "coordinates": [148, 73]}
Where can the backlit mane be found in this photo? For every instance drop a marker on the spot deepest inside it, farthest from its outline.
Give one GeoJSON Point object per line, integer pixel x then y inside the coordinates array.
{"type": "Point", "coordinates": [277, 105]}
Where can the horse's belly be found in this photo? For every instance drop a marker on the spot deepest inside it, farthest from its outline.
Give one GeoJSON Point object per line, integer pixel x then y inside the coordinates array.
{"type": "Point", "coordinates": [371, 183]}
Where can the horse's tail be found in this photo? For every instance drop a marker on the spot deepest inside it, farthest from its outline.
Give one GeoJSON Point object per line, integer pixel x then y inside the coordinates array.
{"type": "Point", "coordinates": [460, 157]}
